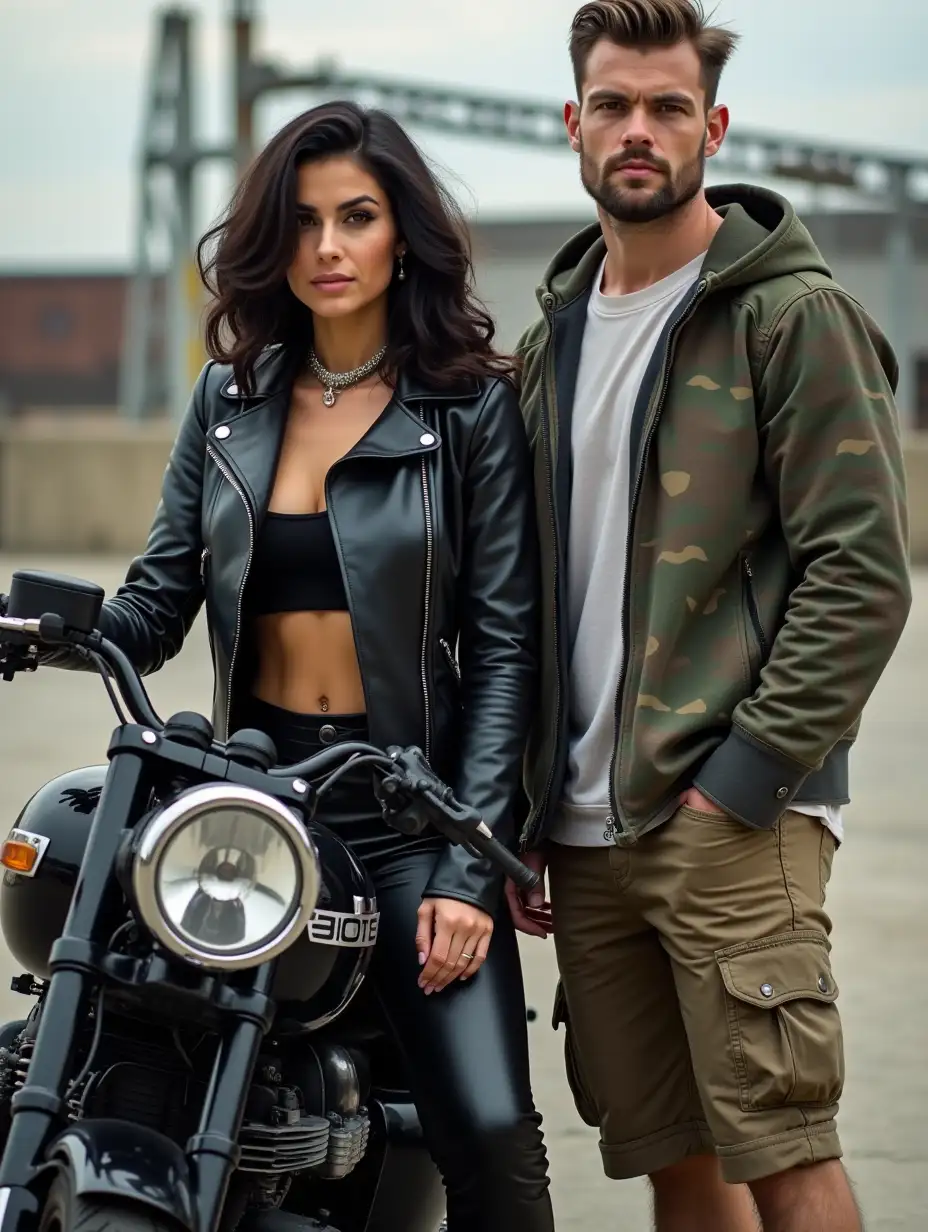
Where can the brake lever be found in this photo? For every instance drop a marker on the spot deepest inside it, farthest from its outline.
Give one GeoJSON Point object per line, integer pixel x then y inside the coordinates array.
{"type": "Point", "coordinates": [16, 659]}
{"type": "Point", "coordinates": [410, 792]}
{"type": "Point", "coordinates": [413, 784]}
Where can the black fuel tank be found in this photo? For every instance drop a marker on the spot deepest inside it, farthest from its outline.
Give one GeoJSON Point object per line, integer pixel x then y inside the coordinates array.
{"type": "Point", "coordinates": [315, 978]}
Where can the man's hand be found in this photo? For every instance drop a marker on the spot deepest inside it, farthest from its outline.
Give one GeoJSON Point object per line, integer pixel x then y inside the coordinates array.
{"type": "Point", "coordinates": [530, 910]}
{"type": "Point", "coordinates": [452, 939]}
{"type": "Point", "coordinates": [694, 799]}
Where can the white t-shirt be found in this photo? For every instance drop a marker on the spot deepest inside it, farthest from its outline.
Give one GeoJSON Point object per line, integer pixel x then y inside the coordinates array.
{"type": "Point", "coordinates": [621, 334]}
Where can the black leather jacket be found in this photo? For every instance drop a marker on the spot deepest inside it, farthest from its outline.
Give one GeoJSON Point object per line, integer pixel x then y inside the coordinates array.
{"type": "Point", "coordinates": [433, 518]}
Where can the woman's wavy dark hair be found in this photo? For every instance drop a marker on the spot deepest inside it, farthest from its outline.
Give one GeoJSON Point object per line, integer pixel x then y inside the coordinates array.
{"type": "Point", "coordinates": [438, 331]}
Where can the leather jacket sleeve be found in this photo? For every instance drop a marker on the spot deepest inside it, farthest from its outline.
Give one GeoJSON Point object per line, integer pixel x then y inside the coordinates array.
{"type": "Point", "coordinates": [498, 643]}
{"type": "Point", "coordinates": [153, 610]}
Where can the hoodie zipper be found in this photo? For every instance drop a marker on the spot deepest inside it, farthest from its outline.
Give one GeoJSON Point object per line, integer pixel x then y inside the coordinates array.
{"type": "Point", "coordinates": [752, 609]}
{"type": "Point", "coordinates": [547, 303]}
{"type": "Point", "coordinates": [429, 535]}
{"type": "Point", "coordinates": [688, 311]}
{"type": "Point", "coordinates": [241, 590]}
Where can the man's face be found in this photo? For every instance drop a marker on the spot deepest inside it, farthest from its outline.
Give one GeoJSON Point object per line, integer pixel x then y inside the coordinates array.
{"type": "Point", "coordinates": [642, 130]}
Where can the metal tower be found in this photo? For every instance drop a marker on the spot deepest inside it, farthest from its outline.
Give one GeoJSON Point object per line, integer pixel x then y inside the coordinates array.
{"type": "Point", "coordinates": [161, 357]}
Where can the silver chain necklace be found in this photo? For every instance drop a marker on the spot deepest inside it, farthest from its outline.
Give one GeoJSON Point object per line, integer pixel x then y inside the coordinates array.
{"type": "Point", "coordinates": [342, 380]}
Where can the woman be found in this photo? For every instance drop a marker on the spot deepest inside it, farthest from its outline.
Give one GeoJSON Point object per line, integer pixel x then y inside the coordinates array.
{"type": "Point", "coordinates": [349, 492]}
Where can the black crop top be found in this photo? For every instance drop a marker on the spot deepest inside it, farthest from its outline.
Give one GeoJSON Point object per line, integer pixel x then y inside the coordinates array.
{"type": "Point", "coordinates": [295, 566]}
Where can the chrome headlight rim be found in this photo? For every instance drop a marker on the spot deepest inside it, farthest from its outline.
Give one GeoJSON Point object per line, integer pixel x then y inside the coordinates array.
{"type": "Point", "coordinates": [167, 823]}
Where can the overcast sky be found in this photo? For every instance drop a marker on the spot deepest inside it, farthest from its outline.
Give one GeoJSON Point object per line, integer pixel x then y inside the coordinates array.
{"type": "Point", "coordinates": [74, 72]}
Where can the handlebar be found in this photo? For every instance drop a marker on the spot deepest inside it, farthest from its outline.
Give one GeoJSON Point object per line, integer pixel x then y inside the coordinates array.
{"type": "Point", "coordinates": [405, 776]}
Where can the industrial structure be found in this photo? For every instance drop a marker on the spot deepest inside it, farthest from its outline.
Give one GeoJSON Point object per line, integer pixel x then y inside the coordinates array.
{"type": "Point", "coordinates": [162, 350]}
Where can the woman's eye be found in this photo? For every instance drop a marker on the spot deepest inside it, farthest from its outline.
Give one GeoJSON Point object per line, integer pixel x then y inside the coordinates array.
{"type": "Point", "coordinates": [360, 216]}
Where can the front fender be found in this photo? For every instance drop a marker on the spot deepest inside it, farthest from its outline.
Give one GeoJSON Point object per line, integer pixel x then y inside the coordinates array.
{"type": "Point", "coordinates": [115, 1159]}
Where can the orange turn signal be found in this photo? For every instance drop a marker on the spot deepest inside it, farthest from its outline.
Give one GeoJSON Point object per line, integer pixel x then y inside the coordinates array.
{"type": "Point", "coordinates": [20, 857]}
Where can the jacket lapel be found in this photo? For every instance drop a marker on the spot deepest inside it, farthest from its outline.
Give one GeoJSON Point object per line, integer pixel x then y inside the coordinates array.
{"type": "Point", "coordinates": [250, 435]}
{"type": "Point", "coordinates": [249, 431]}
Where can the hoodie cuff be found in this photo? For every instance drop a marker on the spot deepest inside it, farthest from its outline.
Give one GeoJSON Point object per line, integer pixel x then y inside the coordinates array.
{"type": "Point", "coordinates": [750, 781]}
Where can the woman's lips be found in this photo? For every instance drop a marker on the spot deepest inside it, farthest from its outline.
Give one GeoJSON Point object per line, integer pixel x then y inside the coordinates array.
{"type": "Point", "coordinates": [332, 285]}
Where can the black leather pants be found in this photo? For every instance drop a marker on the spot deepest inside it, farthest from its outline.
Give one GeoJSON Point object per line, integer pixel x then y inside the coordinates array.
{"type": "Point", "coordinates": [466, 1047]}
{"type": "Point", "coordinates": [467, 1056]}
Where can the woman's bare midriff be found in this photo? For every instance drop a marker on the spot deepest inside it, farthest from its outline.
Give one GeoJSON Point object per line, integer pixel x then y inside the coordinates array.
{"type": "Point", "coordinates": [307, 662]}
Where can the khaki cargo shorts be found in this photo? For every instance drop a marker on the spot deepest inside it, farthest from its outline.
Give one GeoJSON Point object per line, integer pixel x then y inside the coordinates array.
{"type": "Point", "coordinates": [698, 996]}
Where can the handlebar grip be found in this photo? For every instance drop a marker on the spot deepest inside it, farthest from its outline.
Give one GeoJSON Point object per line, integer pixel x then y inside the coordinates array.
{"type": "Point", "coordinates": [524, 877]}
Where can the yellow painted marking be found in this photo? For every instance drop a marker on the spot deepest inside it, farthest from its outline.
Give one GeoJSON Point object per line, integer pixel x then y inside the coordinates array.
{"type": "Point", "coordinates": [690, 552]}
{"type": "Point", "coordinates": [675, 483]}
{"type": "Point", "coordinates": [696, 707]}
{"type": "Point", "coordinates": [647, 702]}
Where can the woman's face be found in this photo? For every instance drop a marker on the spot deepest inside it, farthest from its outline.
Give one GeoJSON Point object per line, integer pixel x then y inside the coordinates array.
{"type": "Point", "coordinates": [348, 243]}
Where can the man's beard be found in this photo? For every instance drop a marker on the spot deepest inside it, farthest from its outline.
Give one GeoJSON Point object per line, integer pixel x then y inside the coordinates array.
{"type": "Point", "coordinates": [638, 205]}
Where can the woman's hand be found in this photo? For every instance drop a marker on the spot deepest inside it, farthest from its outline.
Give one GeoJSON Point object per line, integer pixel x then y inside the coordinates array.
{"type": "Point", "coordinates": [452, 939]}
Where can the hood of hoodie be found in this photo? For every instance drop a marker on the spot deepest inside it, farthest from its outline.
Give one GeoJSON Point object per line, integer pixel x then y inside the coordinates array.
{"type": "Point", "coordinates": [761, 237]}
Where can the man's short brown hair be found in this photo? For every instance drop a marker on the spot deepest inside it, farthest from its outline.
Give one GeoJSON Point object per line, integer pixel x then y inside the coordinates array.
{"type": "Point", "coordinates": [652, 23]}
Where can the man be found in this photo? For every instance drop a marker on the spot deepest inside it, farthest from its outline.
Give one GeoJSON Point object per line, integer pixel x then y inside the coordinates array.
{"type": "Point", "coordinates": [722, 509]}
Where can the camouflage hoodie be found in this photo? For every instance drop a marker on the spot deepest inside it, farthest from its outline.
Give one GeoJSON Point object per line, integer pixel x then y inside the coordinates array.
{"type": "Point", "coordinates": [767, 568]}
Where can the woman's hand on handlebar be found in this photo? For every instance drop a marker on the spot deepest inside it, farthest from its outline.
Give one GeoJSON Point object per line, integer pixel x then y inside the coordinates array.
{"type": "Point", "coordinates": [453, 939]}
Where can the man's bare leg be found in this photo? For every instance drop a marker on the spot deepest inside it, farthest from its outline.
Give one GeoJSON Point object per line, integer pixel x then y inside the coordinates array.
{"type": "Point", "coordinates": [816, 1198]}
{"type": "Point", "coordinates": [692, 1197]}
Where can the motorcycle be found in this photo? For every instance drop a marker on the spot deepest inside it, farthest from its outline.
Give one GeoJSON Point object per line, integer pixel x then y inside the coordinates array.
{"type": "Point", "coordinates": [203, 1053]}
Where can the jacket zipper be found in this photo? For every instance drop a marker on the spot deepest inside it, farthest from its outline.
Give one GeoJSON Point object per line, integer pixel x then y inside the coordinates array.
{"type": "Point", "coordinates": [752, 609]}
{"type": "Point", "coordinates": [241, 590]}
{"type": "Point", "coordinates": [617, 816]}
{"type": "Point", "coordinates": [547, 303]}
{"type": "Point", "coordinates": [427, 506]}
{"type": "Point", "coordinates": [449, 655]}
{"type": "Point", "coordinates": [204, 557]}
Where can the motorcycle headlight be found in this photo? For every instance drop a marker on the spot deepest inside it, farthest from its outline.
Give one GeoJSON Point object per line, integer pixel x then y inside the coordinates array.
{"type": "Point", "coordinates": [225, 876]}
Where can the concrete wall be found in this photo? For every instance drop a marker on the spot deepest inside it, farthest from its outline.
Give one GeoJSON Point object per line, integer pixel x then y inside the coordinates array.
{"type": "Point", "coordinates": [92, 485]}
{"type": "Point", "coordinates": [80, 485]}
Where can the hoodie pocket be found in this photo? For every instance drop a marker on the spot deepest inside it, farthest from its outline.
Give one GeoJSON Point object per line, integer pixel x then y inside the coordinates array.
{"type": "Point", "coordinates": [758, 639]}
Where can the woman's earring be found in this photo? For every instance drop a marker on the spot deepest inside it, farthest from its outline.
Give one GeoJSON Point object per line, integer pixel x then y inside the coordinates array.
{"type": "Point", "coordinates": [402, 271]}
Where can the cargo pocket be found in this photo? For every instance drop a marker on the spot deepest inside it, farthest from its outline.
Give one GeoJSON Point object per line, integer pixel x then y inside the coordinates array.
{"type": "Point", "coordinates": [784, 1027]}
{"type": "Point", "coordinates": [583, 1099]}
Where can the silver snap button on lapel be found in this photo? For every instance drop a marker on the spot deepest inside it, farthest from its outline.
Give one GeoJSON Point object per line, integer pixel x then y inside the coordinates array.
{"type": "Point", "coordinates": [822, 984]}
{"type": "Point", "coordinates": [327, 733]}
{"type": "Point", "coordinates": [766, 990]}
{"type": "Point", "coordinates": [426, 439]}
{"type": "Point", "coordinates": [233, 390]}
{"type": "Point", "coordinates": [782, 793]}
{"type": "Point", "coordinates": [223, 431]}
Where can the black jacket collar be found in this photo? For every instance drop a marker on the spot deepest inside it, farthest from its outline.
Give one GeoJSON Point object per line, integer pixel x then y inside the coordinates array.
{"type": "Point", "coordinates": [250, 435]}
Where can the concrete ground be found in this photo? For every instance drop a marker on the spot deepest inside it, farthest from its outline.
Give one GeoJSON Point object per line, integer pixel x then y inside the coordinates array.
{"type": "Point", "coordinates": [57, 720]}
